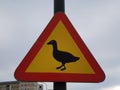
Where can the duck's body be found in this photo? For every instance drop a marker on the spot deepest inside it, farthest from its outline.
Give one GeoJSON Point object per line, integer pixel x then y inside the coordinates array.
{"type": "Point", "coordinates": [62, 56]}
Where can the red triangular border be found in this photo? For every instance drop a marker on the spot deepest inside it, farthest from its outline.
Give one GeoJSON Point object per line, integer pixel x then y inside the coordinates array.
{"type": "Point", "coordinates": [21, 75]}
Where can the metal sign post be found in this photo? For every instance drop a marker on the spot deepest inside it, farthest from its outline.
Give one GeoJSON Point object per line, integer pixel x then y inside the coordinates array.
{"type": "Point", "coordinates": [59, 6]}
{"type": "Point", "coordinates": [59, 86]}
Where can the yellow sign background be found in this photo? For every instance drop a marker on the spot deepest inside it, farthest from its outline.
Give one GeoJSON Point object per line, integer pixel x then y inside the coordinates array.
{"type": "Point", "coordinates": [44, 61]}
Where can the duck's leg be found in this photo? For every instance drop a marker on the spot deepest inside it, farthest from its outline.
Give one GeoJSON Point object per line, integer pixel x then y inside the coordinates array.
{"type": "Point", "coordinates": [59, 67]}
{"type": "Point", "coordinates": [63, 64]}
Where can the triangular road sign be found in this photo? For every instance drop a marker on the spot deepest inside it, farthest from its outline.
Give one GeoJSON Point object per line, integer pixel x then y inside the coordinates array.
{"type": "Point", "coordinates": [59, 55]}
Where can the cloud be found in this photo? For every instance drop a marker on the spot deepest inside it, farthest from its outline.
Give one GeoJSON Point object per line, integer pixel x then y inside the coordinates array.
{"type": "Point", "coordinates": [112, 88]}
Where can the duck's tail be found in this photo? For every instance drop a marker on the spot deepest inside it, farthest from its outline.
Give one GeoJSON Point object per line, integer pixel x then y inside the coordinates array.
{"type": "Point", "coordinates": [76, 59]}
{"type": "Point", "coordinates": [72, 59]}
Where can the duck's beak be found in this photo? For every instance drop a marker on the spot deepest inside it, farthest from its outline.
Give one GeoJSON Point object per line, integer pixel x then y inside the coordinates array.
{"type": "Point", "coordinates": [48, 43]}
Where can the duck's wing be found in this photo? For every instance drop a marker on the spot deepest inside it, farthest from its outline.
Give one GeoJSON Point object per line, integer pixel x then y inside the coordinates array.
{"type": "Point", "coordinates": [63, 56]}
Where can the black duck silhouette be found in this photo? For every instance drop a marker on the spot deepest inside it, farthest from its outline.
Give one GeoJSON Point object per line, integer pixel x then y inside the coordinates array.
{"type": "Point", "coordinates": [62, 56]}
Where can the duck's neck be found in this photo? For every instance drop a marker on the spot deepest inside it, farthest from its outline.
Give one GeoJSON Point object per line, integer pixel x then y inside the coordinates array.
{"type": "Point", "coordinates": [54, 47]}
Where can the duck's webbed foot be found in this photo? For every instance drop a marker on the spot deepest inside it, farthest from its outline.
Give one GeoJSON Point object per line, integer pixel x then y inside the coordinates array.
{"type": "Point", "coordinates": [59, 67]}
{"type": "Point", "coordinates": [62, 67]}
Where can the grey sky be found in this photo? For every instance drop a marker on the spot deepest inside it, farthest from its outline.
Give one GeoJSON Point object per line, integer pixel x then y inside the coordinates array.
{"type": "Point", "coordinates": [97, 22]}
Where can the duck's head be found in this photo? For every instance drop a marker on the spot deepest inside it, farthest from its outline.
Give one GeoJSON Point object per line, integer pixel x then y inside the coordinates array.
{"type": "Point", "coordinates": [51, 42]}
